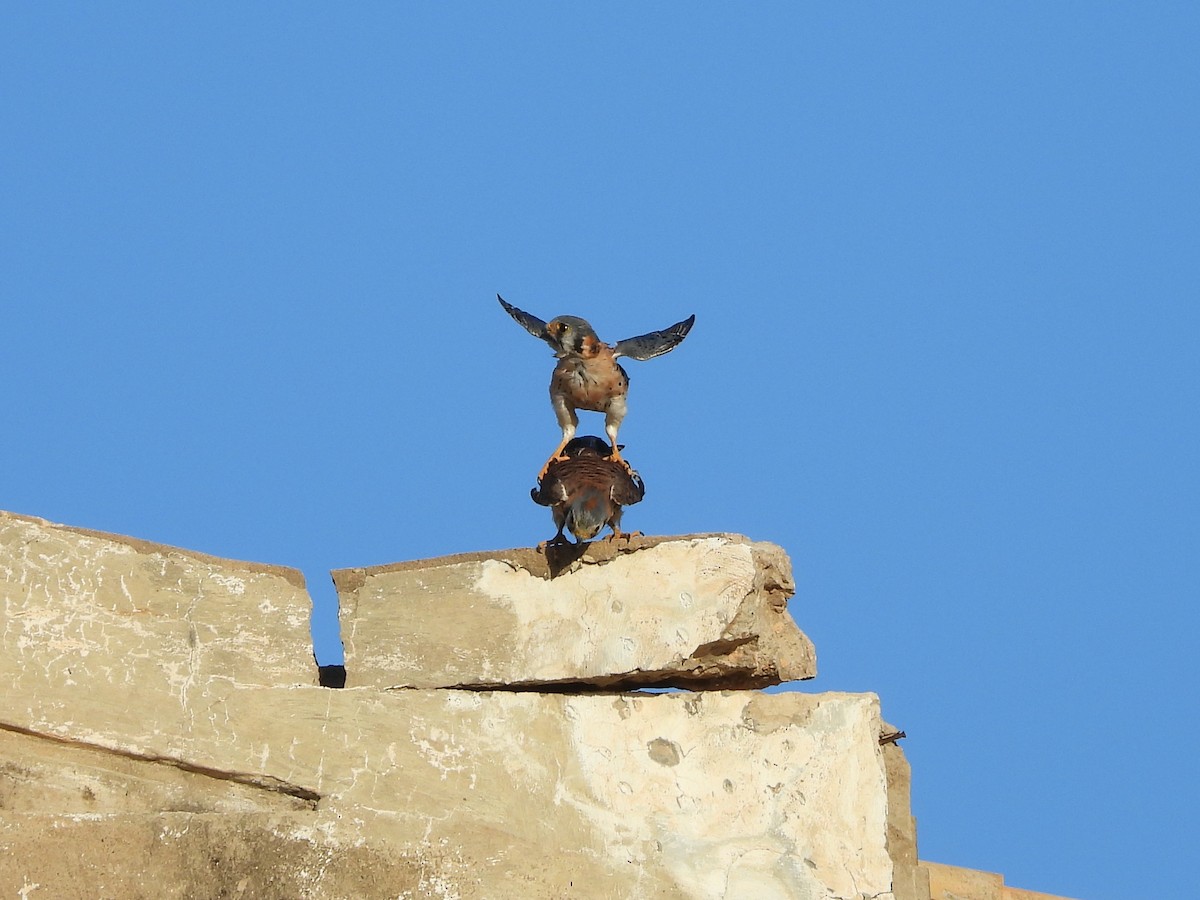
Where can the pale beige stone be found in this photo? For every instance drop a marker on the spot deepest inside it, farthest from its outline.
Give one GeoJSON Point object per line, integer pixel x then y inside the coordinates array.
{"type": "Point", "coordinates": [88, 606]}
{"type": "Point", "coordinates": [956, 883]}
{"type": "Point", "coordinates": [191, 855]}
{"type": "Point", "coordinates": [159, 709]}
{"type": "Point", "coordinates": [534, 795]}
{"type": "Point", "coordinates": [699, 611]}
{"type": "Point", "coordinates": [40, 775]}
{"type": "Point", "coordinates": [1012, 893]}
{"type": "Point", "coordinates": [131, 632]}
{"type": "Point", "coordinates": [160, 734]}
{"type": "Point", "coordinates": [910, 881]}
{"type": "Point", "coordinates": [85, 822]}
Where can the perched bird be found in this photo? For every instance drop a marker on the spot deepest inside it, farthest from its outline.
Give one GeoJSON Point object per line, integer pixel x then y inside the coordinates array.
{"type": "Point", "coordinates": [587, 375]}
{"type": "Point", "coordinates": [586, 490]}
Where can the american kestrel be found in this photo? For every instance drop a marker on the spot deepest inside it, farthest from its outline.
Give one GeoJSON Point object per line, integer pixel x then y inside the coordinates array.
{"type": "Point", "coordinates": [586, 490]}
{"type": "Point", "coordinates": [587, 375]}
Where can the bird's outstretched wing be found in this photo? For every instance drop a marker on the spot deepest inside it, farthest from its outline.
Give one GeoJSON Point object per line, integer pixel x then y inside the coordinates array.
{"type": "Point", "coordinates": [656, 343]}
{"type": "Point", "coordinates": [530, 323]}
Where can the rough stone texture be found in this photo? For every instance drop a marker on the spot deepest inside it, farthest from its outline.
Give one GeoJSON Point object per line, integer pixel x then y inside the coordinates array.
{"type": "Point", "coordinates": [1012, 893]}
{"type": "Point", "coordinates": [103, 634]}
{"type": "Point", "coordinates": [954, 883]}
{"type": "Point", "coordinates": [703, 611]}
{"type": "Point", "coordinates": [185, 856]}
{"type": "Point", "coordinates": [40, 775]}
{"type": "Point", "coordinates": [161, 735]}
{"type": "Point", "coordinates": [1021, 894]}
{"type": "Point", "coordinates": [910, 882]}
{"type": "Point", "coordinates": [487, 794]}
{"type": "Point", "coordinates": [82, 607]}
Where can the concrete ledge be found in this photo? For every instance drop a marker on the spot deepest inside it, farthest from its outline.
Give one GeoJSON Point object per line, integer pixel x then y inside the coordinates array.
{"type": "Point", "coordinates": [956, 883]}
{"type": "Point", "coordinates": [699, 611]}
{"type": "Point", "coordinates": [472, 794]}
{"type": "Point", "coordinates": [133, 632]}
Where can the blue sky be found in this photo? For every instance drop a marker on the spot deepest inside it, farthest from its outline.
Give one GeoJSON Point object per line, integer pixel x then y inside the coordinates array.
{"type": "Point", "coordinates": [943, 261]}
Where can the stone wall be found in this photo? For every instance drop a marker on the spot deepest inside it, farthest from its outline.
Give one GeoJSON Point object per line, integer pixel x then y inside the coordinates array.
{"type": "Point", "coordinates": [163, 734]}
{"type": "Point", "coordinates": [955, 883]}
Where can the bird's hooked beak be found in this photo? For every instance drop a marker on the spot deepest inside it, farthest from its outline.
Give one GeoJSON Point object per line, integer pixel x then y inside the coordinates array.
{"type": "Point", "coordinates": [585, 517]}
{"type": "Point", "coordinates": [583, 534]}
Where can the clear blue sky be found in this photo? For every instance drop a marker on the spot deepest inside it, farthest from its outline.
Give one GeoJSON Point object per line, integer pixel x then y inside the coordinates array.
{"type": "Point", "coordinates": [944, 265]}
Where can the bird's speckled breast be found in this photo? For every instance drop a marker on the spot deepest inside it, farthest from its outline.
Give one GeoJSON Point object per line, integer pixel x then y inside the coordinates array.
{"type": "Point", "coordinates": [590, 383]}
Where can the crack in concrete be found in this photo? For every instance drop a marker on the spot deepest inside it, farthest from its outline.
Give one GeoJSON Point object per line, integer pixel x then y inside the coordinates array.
{"type": "Point", "coordinates": [626, 683]}
{"type": "Point", "coordinates": [263, 782]}
{"type": "Point", "coordinates": [705, 669]}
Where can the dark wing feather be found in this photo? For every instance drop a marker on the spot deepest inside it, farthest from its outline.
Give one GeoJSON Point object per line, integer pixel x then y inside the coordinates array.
{"type": "Point", "coordinates": [549, 491]}
{"type": "Point", "coordinates": [529, 322]}
{"type": "Point", "coordinates": [627, 489]}
{"type": "Point", "coordinates": [656, 343]}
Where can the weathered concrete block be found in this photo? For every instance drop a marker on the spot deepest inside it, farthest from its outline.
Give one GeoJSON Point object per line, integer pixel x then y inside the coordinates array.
{"type": "Point", "coordinates": [134, 632]}
{"type": "Point", "coordinates": [909, 880]}
{"type": "Point", "coordinates": [481, 794]}
{"type": "Point", "coordinates": [956, 883]}
{"type": "Point", "coordinates": [161, 704]}
{"type": "Point", "coordinates": [702, 611]}
{"type": "Point", "coordinates": [187, 855]}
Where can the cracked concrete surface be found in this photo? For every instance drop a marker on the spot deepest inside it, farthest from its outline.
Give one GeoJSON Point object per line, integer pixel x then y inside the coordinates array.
{"type": "Point", "coordinates": [163, 734]}
{"type": "Point", "coordinates": [696, 612]}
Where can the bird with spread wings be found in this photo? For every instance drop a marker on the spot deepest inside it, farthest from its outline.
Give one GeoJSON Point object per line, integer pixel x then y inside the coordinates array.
{"type": "Point", "coordinates": [588, 375]}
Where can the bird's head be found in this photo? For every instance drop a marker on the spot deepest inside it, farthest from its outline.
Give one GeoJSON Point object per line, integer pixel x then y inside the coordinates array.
{"type": "Point", "coordinates": [587, 514]}
{"type": "Point", "coordinates": [569, 333]}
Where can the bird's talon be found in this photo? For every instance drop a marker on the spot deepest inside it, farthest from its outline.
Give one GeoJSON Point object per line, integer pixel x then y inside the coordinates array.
{"type": "Point", "coordinates": [557, 541]}
{"type": "Point", "coordinates": [625, 536]}
{"type": "Point", "coordinates": [557, 458]}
